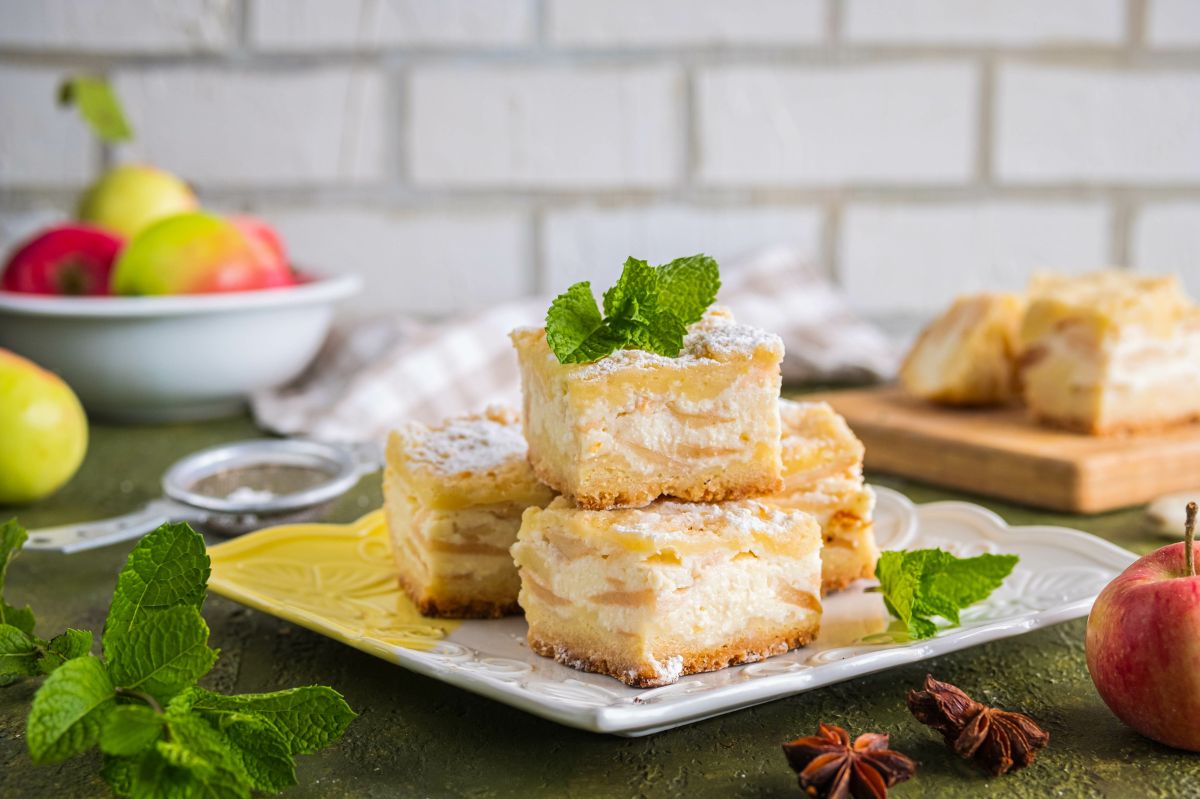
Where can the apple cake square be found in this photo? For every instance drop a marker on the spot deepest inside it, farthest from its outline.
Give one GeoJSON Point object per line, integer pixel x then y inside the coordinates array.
{"type": "Point", "coordinates": [633, 426]}
{"type": "Point", "coordinates": [1111, 352]}
{"type": "Point", "coordinates": [454, 495]}
{"type": "Point", "coordinates": [648, 595]}
{"type": "Point", "coordinates": [968, 355]}
{"type": "Point", "coordinates": [822, 475]}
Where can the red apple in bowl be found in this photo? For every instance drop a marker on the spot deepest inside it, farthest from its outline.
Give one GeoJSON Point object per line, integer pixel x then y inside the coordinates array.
{"type": "Point", "coordinates": [197, 253]}
{"type": "Point", "coordinates": [69, 259]}
{"type": "Point", "coordinates": [1143, 644]}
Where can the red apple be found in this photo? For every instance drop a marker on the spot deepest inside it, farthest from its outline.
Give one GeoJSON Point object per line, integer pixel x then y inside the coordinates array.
{"type": "Point", "coordinates": [69, 259]}
{"type": "Point", "coordinates": [1143, 644]}
{"type": "Point", "coordinates": [196, 253]}
{"type": "Point", "coordinates": [262, 235]}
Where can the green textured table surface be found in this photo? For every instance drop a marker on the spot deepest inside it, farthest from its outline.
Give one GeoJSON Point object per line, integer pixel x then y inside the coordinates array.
{"type": "Point", "coordinates": [418, 737]}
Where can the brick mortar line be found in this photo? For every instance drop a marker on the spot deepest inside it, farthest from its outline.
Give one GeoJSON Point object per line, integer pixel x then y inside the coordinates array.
{"type": "Point", "coordinates": [799, 56]}
{"type": "Point", "coordinates": [834, 23]}
{"type": "Point", "coordinates": [831, 241]}
{"type": "Point", "coordinates": [1121, 231]}
{"type": "Point", "coordinates": [1135, 25]}
{"type": "Point", "coordinates": [985, 120]}
{"type": "Point", "coordinates": [389, 198]}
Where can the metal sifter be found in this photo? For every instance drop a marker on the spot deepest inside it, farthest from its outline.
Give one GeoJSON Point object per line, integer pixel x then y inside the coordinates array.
{"type": "Point", "coordinates": [231, 489]}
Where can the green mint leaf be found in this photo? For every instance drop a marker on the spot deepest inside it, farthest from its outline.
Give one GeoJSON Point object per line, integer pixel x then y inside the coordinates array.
{"type": "Point", "coordinates": [12, 538]}
{"type": "Point", "coordinates": [961, 582]}
{"type": "Point", "coordinates": [574, 330]}
{"type": "Point", "coordinates": [635, 292]}
{"type": "Point", "coordinates": [309, 719]}
{"type": "Point", "coordinates": [687, 286]}
{"type": "Point", "coordinates": [168, 568]}
{"type": "Point", "coordinates": [18, 654]}
{"type": "Point", "coordinates": [98, 105]}
{"type": "Point", "coordinates": [166, 652]}
{"type": "Point", "coordinates": [264, 753]}
{"type": "Point", "coordinates": [663, 333]}
{"type": "Point", "coordinates": [197, 747]}
{"type": "Point", "coordinates": [130, 729]}
{"type": "Point", "coordinates": [69, 709]}
{"type": "Point", "coordinates": [148, 774]}
{"type": "Point", "coordinates": [922, 584]}
{"type": "Point", "coordinates": [61, 648]}
{"type": "Point", "coordinates": [648, 308]}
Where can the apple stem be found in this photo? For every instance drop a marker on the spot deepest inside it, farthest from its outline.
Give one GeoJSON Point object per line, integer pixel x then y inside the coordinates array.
{"type": "Point", "coordinates": [1189, 538]}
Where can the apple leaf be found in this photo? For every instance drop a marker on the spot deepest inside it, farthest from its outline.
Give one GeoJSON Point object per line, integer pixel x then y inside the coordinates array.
{"type": "Point", "coordinates": [98, 105]}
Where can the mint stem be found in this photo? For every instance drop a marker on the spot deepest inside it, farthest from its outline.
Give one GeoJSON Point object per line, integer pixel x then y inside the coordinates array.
{"type": "Point", "coordinates": [142, 695]}
{"type": "Point", "coordinates": [1189, 539]}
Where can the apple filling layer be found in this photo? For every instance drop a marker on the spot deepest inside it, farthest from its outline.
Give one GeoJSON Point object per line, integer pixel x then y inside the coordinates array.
{"type": "Point", "coordinates": [675, 588]}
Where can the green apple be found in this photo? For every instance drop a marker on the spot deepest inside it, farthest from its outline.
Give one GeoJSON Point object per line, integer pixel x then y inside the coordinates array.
{"type": "Point", "coordinates": [43, 430]}
{"type": "Point", "coordinates": [197, 253]}
{"type": "Point", "coordinates": [129, 197]}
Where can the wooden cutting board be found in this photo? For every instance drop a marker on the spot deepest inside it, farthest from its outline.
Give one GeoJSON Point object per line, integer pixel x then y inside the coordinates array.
{"type": "Point", "coordinates": [1002, 453]}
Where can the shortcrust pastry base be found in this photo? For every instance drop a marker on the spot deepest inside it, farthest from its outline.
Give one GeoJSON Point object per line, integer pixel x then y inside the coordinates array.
{"type": "Point", "coordinates": [716, 486]}
{"type": "Point", "coordinates": [1122, 427]}
{"type": "Point", "coordinates": [449, 605]}
{"type": "Point", "coordinates": [639, 674]}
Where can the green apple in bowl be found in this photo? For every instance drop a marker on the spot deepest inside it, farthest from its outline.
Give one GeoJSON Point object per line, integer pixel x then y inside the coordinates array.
{"type": "Point", "coordinates": [43, 430]}
{"type": "Point", "coordinates": [128, 198]}
{"type": "Point", "coordinates": [198, 253]}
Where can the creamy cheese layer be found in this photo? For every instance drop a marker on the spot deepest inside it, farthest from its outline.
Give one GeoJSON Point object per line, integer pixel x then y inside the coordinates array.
{"type": "Point", "coordinates": [678, 571]}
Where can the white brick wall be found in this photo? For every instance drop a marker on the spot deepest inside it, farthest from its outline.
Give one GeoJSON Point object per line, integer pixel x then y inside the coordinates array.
{"type": "Point", "coordinates": [461, 151]}
{"type": "Point", "coordinates": [920, 257]}
{"type": "Point", "coordinates": [301, 25]}
{"type": "Point", "coordinates": [1070, 124]}
{"type": "Point", "coordinates": [1174, 23]}
{"type": "Point", "coordinates": [637, 23]}
{"type": "Point", "coordinates": [1019, 23]}
{"type": "Point", "coordinates": [1167, 239]}
{"type": "Point", "coordinates": [593, 243]}
{"type": "Point", "coordinates": [545, 127]}
{"type": "Point", "coordinates": [16, 226]}
{"type": "Point", "coordinates": [102, 26]}
{"type": "Point", "coordinates": [40, 144]}
{"type": "Point", "coordinates": [284, 127]}
{"type": "Point", "coordinates": [884, 123]}
{"type": "Point", "coordinates": [419, 262]}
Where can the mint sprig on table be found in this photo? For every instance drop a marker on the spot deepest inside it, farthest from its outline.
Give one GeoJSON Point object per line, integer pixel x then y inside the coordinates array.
{"type": "Point", "coordinates": [649, 308]}
{"type": "Point", "coordinates": [922, 584]}
{"type": "Point", "coordinates": [160, 733]}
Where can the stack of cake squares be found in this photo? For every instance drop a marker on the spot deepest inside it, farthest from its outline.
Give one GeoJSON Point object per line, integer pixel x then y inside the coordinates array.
{"type": "Point", "coordinates": [698, 520]}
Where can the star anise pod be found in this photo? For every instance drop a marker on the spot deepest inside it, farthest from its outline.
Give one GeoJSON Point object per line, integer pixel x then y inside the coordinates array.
{"type": "Point", "coordinates": [828, 765]}
{"type": "Point", "coordinates": [998, 740]}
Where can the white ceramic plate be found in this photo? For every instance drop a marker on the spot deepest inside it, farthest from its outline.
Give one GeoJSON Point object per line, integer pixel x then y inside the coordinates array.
{"type": "Point", "coordinates": [1058, 576]}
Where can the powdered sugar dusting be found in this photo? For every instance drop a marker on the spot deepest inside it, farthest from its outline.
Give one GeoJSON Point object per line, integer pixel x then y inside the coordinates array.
{"type": "Point", "coordinates": [473, 444]}
{"type": "Point", "coordinates": [668, 518]}
{"type": "Point", "coordinates": [716, 337]}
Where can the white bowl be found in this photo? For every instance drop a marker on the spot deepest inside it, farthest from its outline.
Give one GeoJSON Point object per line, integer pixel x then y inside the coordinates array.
{"type": "Point", "coordinates": [173, 358]}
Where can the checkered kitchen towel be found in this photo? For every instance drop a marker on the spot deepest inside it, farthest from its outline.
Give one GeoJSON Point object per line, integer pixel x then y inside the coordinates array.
{"type": "Point", "coordinates": [376, 373]}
